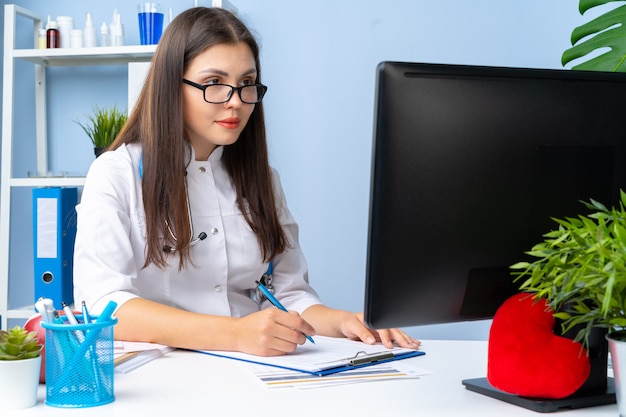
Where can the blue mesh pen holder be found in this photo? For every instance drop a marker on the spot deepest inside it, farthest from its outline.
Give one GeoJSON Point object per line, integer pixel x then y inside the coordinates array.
{"type": "Point", "coordinates": [79, 363]}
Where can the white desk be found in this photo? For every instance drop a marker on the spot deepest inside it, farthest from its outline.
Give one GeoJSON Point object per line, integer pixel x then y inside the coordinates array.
{"type": "Point", "coordinates": [192, 384]}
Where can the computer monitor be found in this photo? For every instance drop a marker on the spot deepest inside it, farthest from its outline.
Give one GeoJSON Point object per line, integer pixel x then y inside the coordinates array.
{"type": "Point", "coordinates": [469, 165]}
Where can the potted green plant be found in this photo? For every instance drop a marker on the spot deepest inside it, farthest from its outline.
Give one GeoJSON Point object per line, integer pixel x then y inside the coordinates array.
{"type": "Point", "coordinates": [103, 126]}
{"type": "Point", "coordinates": [580, 270]}
{"type": "Point", "coordinates": [20, 362]}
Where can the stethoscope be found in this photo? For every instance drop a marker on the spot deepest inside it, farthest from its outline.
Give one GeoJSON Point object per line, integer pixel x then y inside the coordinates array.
{"type": "Point", "coordinates": [192, 241]}
{"type": "Point", "coordinates": [266, 279]}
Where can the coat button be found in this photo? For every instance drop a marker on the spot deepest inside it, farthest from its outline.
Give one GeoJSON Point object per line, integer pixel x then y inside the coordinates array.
{"type": "Point", "coordinates": [218, 288]}
{"type": "Point", "coordinates": [214, 231]}
{"type": "Point", "coordinates": [202, 169]}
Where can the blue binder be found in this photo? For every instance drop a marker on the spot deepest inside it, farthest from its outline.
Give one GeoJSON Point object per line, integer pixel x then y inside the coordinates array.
{"type": "Point", "coordinates": [54, 232]}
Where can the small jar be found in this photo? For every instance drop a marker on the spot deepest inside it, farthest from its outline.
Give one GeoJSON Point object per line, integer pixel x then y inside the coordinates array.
{"type": "Point", "coordinates": [76, 38]}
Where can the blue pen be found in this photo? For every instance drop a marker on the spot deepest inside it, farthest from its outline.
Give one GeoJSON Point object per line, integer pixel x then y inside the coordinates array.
{"type": "Point", "coordinates": [277, 303]}
{"type": "Point", "coordinates": [86, 316]}
{"type": "Point", "coordinates": [107, 313]}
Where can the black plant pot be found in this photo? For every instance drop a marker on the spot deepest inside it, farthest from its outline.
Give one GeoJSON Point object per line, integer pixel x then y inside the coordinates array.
{"type": "Point", "coordinates": [99, 151]}
{"type": "Point", "coordinates": [598, 350]}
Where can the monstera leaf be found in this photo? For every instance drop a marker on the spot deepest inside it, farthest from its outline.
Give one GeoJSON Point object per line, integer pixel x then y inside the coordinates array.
{"type": "Point", "coordinates": [607, 30]}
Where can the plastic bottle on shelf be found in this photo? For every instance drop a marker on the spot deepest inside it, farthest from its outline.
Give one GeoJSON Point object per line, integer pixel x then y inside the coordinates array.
{"type": "Point", "coordinates": [89, 33]}
{"type": "Point", "coordinates": [41, 39]}
{"type": "Point", "coordinates": [105, 37]}
{"type": "Point", "coordinates": [66, 24]}
{"type": "Point", "coordinates": [116, 29]}
{"type": "Point", "coordinates": [52, 34]}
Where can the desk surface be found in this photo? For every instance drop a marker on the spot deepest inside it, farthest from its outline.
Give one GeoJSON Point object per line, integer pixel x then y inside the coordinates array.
{"type": "Point", "coordinates": [190, 384]}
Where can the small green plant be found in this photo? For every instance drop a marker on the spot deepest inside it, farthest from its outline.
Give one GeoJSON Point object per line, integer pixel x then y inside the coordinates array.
{"type": "Point", "coordinates": [580, 269]}
{"type": "Point", "coordinates": [104, 125]}
{"type": "Point", "coordinates": [18, 343]}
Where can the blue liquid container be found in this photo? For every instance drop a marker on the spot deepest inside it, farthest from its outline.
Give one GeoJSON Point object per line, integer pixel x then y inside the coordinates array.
{"type": "Point", "coordinates": [150, 27]}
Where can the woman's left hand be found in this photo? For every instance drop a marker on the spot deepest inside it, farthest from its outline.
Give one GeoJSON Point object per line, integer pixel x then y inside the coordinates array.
{"type": "Point", "coordinates": [353, 327]}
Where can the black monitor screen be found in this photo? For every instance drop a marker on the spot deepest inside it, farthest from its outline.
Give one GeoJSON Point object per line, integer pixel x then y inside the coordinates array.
{"type": "Point", "coordinates": [469, 165]}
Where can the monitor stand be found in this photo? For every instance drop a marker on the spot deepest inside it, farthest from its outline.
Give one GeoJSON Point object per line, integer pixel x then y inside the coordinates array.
{"type": "Point", "coordinates": [541, 405]}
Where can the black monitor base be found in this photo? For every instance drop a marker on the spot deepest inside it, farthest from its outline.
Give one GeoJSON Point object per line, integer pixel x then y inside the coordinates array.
{"type": "Point", "coordinates": [542, 405]}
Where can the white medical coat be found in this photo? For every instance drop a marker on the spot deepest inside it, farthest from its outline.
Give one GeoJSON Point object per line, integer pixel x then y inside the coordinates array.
{"type": "Point", "coordinates": [111, 241]}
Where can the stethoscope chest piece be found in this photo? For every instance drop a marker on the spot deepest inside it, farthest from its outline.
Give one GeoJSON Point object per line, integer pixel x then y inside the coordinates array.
{"type": "Point", "coordinates": [266, 280]}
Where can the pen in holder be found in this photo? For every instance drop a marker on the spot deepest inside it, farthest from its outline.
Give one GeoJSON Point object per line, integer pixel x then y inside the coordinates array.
{"type": "Point", "coordinates": [79, 363]}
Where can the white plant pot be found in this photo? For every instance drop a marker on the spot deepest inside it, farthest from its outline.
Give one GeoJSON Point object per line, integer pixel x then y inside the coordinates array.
{"type": "Point", "coordinates": [19, 381]}
{"type": "Point", "coordinates": [617, 347]}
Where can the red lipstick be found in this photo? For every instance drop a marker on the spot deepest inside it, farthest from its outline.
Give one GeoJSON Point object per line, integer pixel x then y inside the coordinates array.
{"type": "Point", "coordinates": [229, 123]}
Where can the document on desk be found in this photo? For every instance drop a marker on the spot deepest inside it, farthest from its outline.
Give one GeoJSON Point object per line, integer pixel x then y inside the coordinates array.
{"type": "Point", "coordinates": [131, 355]}
{"type": "Point", "coordinates": [328, 355]}
{"type": "Point", "coordinates": [271, 377]}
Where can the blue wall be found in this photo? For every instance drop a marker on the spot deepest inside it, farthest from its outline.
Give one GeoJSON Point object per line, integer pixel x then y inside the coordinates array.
{"type": "Point", "coordinates": [318, 61]}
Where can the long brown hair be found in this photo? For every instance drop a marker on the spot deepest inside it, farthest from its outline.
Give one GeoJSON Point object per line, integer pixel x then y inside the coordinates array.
{"type": "Point", "coordinates": [157, 123]}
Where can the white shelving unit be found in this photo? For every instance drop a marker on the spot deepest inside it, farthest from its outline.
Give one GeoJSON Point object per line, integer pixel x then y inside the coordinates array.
{"type": "Point", "coordinates": [40, 58]}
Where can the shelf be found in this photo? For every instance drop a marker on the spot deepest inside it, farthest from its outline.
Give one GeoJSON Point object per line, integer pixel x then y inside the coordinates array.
{"type": "Point", "coordinates": [48, 182]}
{"type": "Point", "coordinates": [41, 59]}
{"type": "Point", "coordinates": [109, 55]}
{"type": "Point", "coordinates": [21, 312]}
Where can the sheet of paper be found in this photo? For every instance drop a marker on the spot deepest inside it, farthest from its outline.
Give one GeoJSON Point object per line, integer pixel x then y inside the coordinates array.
{"type": "Point", "coordinates": [272, 377]}
{"type": "Point", "coordinates": [326, 353]}
{"type": "Point", "coordinates": [122, 346]}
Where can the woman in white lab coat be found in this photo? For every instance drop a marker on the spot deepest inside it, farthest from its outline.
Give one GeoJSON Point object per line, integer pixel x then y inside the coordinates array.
{"type": "Point", "coordinates": [183, 214]}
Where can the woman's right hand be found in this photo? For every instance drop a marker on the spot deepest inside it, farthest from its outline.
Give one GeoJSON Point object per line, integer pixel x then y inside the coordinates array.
{"type": "Point", "coordinates": [272, 332]}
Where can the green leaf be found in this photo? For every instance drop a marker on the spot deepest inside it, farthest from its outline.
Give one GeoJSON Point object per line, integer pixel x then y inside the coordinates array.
{"type": "Point", "coordinates": [605, 31]}
{"type": "Point", "coordinates": [561, 316]}
{"type": "Point", "coordinates": [585, 5]}
{"type": "Point", "coordinates": [619, 322]}
{"type": "Point", "coordinates": [597, 205]}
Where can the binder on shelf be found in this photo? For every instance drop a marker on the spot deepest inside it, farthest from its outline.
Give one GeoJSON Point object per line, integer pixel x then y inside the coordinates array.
{"type": "Point", "coordinates": [54, 232]}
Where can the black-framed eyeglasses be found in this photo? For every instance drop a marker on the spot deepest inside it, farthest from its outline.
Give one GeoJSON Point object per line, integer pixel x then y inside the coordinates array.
{"type": "Point", "coordinates": [221, 93]}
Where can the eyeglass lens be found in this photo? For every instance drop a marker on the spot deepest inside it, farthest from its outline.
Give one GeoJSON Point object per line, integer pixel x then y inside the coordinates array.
{"type": "Point", "coordinates": [220, 93]}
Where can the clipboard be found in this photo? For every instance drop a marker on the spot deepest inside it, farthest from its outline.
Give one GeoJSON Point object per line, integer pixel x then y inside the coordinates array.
{"type": "Point", "coordinates": [328, 356]}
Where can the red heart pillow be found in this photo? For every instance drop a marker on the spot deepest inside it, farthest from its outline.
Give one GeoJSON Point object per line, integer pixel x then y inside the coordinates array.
{"type": "Point", "coordinates": [526, 358]}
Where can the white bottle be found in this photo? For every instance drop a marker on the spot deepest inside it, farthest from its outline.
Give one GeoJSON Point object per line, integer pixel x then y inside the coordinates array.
{"type": "Point", "coordinates": [105, 37]}
{"type": "Point", "coordinates": [118, 35]}
{"type": "Point", "coordinates": [66, 24]}
{"type": "Point", "coordinates": [116, 29]}
{"type": "Point", "coordinates": [89, 33]}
